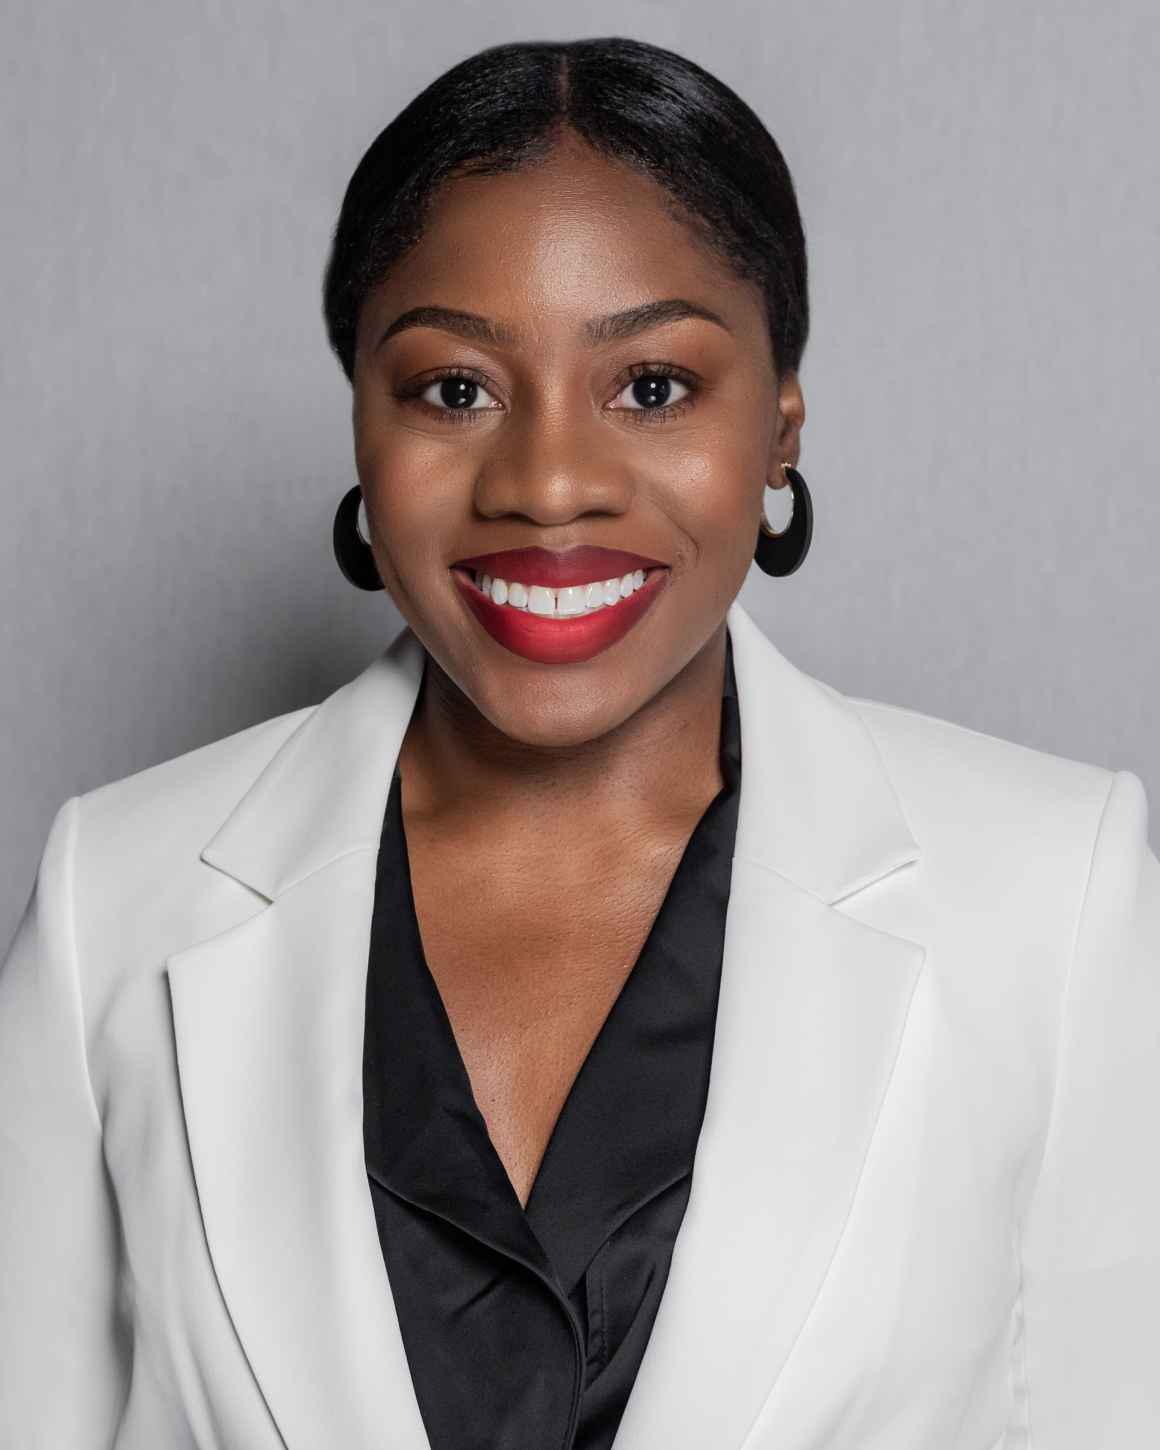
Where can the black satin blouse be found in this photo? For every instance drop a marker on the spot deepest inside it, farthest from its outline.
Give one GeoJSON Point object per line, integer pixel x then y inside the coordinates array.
{"type": "Point", "coordinates": [524, 1329]}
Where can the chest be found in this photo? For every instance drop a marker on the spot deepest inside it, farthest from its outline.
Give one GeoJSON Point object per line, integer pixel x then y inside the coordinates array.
{"type": "Point", "coordinates": [529, 965]}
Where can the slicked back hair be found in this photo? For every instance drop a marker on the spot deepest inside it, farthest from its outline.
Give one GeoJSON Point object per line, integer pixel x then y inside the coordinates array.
{"type": "Point", "coordinates": [506, 108]}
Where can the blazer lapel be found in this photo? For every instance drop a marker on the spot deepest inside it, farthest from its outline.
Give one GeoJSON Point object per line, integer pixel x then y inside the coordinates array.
{"type": "Point", "coordinates": [269, 1029]}
{"type": "Point", "coordinates": [810, 1018]}
{"type": "Point", "coordinates": [268, 1020]}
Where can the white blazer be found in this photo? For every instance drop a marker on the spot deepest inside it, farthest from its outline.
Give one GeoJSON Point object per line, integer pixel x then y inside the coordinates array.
{"type": "Point", "coordinates": [925, 1212]}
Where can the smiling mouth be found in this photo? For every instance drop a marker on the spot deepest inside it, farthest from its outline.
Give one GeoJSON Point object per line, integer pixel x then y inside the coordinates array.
{"type": "Point", "coordinates": [563, 625]}
{"type": "Point", "coordinates": [567, 602]}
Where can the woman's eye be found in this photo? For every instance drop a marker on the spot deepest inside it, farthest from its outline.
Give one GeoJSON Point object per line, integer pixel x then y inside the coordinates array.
{"type": "Point", "coordinates": [457, 394]}
{"type": "Point", "coordinates": [654, 393]}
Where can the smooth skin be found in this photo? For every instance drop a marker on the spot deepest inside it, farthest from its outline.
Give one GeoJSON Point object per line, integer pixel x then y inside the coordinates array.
{"type": "Point", "coordinates": [546, 807]}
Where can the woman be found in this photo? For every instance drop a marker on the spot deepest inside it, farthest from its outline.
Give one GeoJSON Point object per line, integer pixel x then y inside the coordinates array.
{"type": "Point", "coordinates": [353, 1068]}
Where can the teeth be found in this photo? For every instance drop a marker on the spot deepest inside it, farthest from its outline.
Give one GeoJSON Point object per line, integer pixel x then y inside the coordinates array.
{"type": "Point", "coordinates": [541, 600]}
{"type": "Point", "coordinates": [572, 600]}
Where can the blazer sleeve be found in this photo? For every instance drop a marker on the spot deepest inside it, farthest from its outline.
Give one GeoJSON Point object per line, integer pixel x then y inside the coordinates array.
{"type": "Point", "coordinates": [62, 1376]}
{"type": "Point", "coordinates": [1091, 1235]}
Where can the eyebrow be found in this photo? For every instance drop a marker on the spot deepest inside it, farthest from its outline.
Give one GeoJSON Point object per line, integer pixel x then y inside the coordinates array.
{"type": "Point", "coordinates": [612, 327]}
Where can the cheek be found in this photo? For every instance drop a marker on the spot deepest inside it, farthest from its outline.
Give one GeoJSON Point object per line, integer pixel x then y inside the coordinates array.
{"type": "Point", "coordinates": [415, 492]}
{"type": "Point", "coordinates": [713, 492]}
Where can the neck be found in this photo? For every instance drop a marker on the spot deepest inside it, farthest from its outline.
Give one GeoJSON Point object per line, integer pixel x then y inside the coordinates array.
{"type": "Point", "coordinates": [661, 764]}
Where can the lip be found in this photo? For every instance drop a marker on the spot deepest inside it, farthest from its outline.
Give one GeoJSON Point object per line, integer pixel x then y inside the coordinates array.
{"type": "Point", "coordinates": [558, 568]}
{"type": "Point", "coordinates": [560, 640]}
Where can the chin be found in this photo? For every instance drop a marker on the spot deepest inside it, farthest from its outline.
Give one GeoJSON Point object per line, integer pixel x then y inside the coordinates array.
{"type": "Point", "coordinates": [557, 718]}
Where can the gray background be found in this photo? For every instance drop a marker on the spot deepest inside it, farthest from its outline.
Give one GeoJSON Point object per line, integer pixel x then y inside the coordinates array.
{"type": "Point", "coordinates": [980, 193]}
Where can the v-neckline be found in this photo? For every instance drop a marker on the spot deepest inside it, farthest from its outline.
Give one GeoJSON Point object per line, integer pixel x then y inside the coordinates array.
{"type": "Point", "coordinates": [427, 1140]}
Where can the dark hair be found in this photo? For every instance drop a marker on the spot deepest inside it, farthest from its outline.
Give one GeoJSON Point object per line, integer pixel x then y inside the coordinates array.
{"type": "Point", "coordinates": [504, 108]}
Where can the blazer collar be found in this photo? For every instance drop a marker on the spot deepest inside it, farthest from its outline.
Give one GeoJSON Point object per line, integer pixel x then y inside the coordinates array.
{"type": "Point", "coordinates": [817, 805]}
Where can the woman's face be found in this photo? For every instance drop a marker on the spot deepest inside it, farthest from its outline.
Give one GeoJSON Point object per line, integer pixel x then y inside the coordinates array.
{"type": "Point", "coordinates": [654, 439]}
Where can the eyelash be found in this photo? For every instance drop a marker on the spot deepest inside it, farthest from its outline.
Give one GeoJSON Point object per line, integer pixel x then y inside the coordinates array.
{"type": "Point", "coordinates": [646, 416]}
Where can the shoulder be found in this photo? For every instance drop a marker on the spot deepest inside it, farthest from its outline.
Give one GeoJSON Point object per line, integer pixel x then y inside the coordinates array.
{"type": "Point", "coordinates": [1024, 853]}
{"type": "Point", "coordinates": [1013, 839]}
{"type": "Point", "coordinates": [1038, 883]}
{"type": "Point", "coordinates": [948, 774]}
{"type": "Point", "coordinates": [120, 883]}
{"type": "Point", "coordinates": [139, 886]}
{"type": "Point", "coordinates": [167, 806]}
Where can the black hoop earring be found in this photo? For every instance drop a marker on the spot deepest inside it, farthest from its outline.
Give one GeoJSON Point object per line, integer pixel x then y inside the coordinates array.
{"type": "Point", "coordinates": [781, 553]}
{"type": "Point", "coordinates": [350, 548]}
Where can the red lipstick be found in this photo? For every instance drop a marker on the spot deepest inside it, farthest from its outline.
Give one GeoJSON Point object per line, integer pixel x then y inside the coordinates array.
{"type": "Point", "coordinates": [559, 639]}
{"type": "Point", "coordinates": [558, 568]}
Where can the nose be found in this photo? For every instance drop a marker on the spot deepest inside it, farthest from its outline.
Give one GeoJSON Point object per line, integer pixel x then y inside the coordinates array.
{"type": "Point", "coordinates": [553, 470]}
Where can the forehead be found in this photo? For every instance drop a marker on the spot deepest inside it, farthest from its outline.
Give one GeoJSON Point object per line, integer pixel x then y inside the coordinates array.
{"type": "Point", "coordinates": [568, 238]}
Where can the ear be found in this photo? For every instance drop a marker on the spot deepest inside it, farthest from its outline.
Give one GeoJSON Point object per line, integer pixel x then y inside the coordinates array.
{"type": "Point", "coordinates": [785, 445]}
